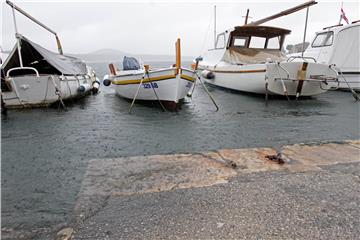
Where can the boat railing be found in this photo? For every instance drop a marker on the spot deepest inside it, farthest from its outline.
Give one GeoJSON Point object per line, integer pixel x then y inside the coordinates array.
{"type": "Point", "coordinates": [286, 71]}
{"type": "Point", "coordinates": [21, 68]}
{"type": "Point", "coordinates": [292, 58]}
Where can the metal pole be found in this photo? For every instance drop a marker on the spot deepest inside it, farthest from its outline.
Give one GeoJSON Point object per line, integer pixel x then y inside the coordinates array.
{"type": "Point", "coordinates": [247, 16]}
{"type": "Point", "coordinates": [306, 20]}
{"type": "Point", "coordinates": [214, 26]}
{"type": "Point", "coordinates": [29, 16]}
{"type": "Point", "coordinates": [36, 21]}
{"type": "Point", "coordinates": [17, 39]}
{"type": "Point", "coordinates": [341, 16]}
{"type": "Point", "coordinates": [283, 13]}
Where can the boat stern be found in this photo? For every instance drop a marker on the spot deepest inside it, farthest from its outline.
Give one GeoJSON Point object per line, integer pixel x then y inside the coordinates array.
{"type": "Point", "coordinates": [299, 78]}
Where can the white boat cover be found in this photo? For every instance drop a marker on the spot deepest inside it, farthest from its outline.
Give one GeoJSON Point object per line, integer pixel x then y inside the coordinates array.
{"type": "Point", "coordinates": [33, 55]}
{"type": "Point", "coordinates": [346, 53]}
{"type": "Point", "coordinates": [236, 55]}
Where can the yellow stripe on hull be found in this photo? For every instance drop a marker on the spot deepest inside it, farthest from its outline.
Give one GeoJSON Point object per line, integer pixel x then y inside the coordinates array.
{"type": "Point", "coordinates": [154, 79]}
{"type": "Point", "coordinates": [137, 81]}
{"type": "Point", "coordinates": [187, 78]}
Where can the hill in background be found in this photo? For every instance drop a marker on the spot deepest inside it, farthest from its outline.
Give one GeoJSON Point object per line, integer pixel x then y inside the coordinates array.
{"type": "Point", "coordinates": [113, 55]}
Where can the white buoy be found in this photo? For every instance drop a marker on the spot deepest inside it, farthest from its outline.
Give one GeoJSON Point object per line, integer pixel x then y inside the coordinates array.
{"type": "Point", "coordinates": [106, 80]}
{"type": "Point", "coordinates": [95, 86]}
{"type": "Point", "coordinates": [84, 87]}
{"type": "Point", "coordinates": [207, 74]}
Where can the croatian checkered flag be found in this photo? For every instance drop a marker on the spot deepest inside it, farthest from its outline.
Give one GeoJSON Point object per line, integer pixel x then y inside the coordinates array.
{"type": "Point", "coordinates": [342, 16]}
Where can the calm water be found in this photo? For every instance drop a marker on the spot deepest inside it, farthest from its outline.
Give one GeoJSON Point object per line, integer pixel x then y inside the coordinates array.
{"type": "Point", "coordinates": [45, 151]}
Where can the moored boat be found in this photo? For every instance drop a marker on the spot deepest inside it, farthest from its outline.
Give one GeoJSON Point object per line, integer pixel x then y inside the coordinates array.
{"type": "Point", "coordinates": [339, 45]}
{"type": "Point", "coordinates": [249, 58]}
{"type": "Point", "coordinates": [32, 76]}
{"type": "Point", "coordinates": [138, 82]}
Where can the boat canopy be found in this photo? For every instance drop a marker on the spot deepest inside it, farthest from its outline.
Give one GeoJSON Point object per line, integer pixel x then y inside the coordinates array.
{"type": "Point", "coordinates": [43, 60]}
{"type": "Point", "coordinates": [259, 31]}
{"type": "Point", "coordinates": [255, 44]}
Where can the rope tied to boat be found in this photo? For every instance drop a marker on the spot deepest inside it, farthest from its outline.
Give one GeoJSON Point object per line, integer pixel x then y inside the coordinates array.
{"type": "Point", "coordinates": [136, 93]}
{"type": "Point", "coordinates": [281, 79]}
{"type": "Point", "coordinates": [202, 83]}
{"type": "Point", "coordinates": [157, 97]}
{"type": "Point", "coordinates": [58, 92]}
{"type": "Point", "coordinates": [354, 94]}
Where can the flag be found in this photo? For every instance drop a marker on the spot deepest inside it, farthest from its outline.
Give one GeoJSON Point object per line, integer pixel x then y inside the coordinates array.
{"type": "Point", "coordinates": [343, 16]}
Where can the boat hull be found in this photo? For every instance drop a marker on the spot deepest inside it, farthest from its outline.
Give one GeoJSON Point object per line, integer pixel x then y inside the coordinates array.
{"type": "Point", "coordinates": [163, 84]}
{"type": "Point", "coordinates": [281, 80]}
{"type": "Point", "coordinates": [353, 79]}
{"type": "Point", "coordinates": [40, 91]}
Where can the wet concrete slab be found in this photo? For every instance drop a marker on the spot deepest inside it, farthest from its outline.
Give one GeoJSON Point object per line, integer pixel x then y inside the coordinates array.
{"type": "Point", "coordinates": [126, 176]}
{"type": "Point", "coordinates": [142, 174]}
{"type": "Point", "coordinates": [261, 205]}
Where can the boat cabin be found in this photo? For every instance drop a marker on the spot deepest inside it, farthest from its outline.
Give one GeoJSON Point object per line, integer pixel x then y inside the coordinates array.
{"type": "Point", "coordinates": [252, 44]}
{"type": "Point", "coordinates": [337, 45]}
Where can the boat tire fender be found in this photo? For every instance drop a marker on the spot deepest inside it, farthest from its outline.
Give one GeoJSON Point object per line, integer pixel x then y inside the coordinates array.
{"type": "Point", "coordinates": [208, 74]}
{"type": "Point", "coordinates": [106, 81]}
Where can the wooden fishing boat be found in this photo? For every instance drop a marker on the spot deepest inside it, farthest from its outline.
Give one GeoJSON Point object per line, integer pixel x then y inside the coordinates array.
{"type": "Point", "coordinates": [166, 85]}
{"type": "Point", "coordinates": [249, 58]}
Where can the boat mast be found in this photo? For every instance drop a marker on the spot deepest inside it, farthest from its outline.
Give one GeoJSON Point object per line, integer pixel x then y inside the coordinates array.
{"type": "Point", "coordinates": [283, 13]}
{"type": "Point", "coordinates": [17, 39]}
{"type": "Point", "coordinates": [306, 21]}
{"type": "Point", "coordinates": [215, 27]}
{"type": "Point", "coordinates": [14, 7]}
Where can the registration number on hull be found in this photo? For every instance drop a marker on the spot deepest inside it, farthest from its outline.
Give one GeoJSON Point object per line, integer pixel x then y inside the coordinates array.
{"type": "Point", "coordinates": [150, 85]}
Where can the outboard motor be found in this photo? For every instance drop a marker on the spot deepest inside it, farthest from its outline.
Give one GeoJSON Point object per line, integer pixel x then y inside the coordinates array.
{"type": "Point", "coordinates": [106, 80]}
{"type": "Point", "coordinates": [208, 74]}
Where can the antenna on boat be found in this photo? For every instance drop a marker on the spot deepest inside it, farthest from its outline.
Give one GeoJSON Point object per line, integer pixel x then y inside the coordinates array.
{"type": "Point", "coordinates": [14, 7]}
{"type": "Point", "coordinates": [214, 26]}
{"type": "Point", "coordinates": [247, 16]}
{"type": "Point", "coordinates": [283, 13]}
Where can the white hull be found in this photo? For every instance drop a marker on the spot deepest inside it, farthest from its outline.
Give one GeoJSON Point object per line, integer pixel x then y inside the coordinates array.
{"type": "Point", "coordinates": [33, 91]}
{"type": "Point", "coordinates": [162, 84]}
{"type": "Point", "coordinates": [352, 79]}
{"type": "Point", "coordinates": [340, 47]}
{"type": "Point", "coordinates": [252, 78]}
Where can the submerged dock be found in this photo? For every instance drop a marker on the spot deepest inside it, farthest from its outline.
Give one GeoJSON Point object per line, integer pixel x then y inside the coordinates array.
{"type": "Point", "coordinates": [313, 192]}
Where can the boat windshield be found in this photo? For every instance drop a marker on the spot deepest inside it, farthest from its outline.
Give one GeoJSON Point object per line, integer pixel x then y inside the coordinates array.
{"type": "Point", "coordinates": [257, 37]}
{"type": "Point", "coordinates": [323, 39]}
{"type": "Point", "coordinates": [256, 42]}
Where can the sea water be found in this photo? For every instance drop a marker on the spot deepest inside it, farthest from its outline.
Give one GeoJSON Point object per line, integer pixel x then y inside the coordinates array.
{"type": "Point", "coordinates": [45, 151]}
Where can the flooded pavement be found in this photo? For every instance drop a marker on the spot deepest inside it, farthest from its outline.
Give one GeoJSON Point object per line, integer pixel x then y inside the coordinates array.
{"type": "Point", "coordinates": [122, 198]}
{"type": "Point", "coordinates": [157, 173]}
{"type": "Point", "coordinates": [46, 153]}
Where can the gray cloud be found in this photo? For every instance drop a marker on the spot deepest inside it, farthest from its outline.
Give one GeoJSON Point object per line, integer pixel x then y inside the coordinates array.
{"type": "Point", "coordinates": [152, 27]}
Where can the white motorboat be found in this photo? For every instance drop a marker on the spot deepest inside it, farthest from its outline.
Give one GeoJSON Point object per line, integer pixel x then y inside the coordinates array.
{"type": "Point", "coordinates": [249, 58]}
{"type": "Point", "coordinates": [32, 76]}
{"type": "Point", "coordinates": [339, 45]}
{"type": "Point", "coordinates": [166, 85]}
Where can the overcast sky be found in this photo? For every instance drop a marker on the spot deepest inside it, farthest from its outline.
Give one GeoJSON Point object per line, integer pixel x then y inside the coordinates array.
{"type": "Point", "coordinates": [152, 27]}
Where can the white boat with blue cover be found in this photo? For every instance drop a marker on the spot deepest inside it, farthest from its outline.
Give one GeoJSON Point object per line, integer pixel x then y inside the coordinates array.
{"type": "Point", "coordinates": [139, 82]}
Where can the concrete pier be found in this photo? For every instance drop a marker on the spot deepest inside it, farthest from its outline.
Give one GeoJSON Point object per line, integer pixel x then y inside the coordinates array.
{"type": "Point", "coordinates": [314, 194]}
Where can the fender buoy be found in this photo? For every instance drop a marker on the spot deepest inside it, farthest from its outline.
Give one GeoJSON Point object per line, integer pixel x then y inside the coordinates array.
{"type": "Point", "coordinates": [106, 80]}
{"type": "Point", "coordinates": [208, 74]}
